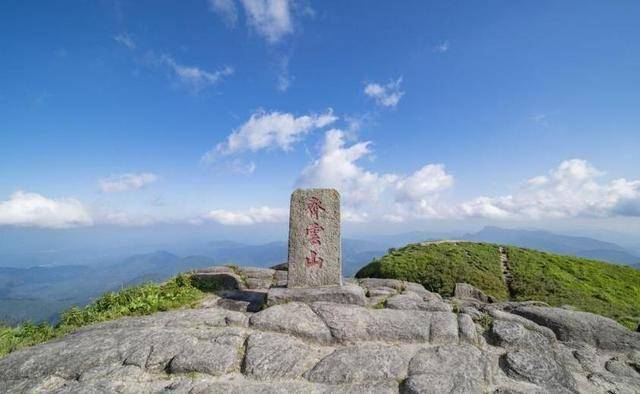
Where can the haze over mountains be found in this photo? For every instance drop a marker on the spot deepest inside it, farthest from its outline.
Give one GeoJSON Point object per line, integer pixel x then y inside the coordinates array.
{"type": "Point", "coordinates": [39, 292]}
{"type": "Point", "coordinates": [556, 243]}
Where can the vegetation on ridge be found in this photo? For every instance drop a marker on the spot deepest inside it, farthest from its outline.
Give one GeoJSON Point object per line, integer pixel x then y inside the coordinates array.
{"type": "Point", "coordinates": [589, 285]}
{"type": "Point", "coordinates": [133, 301]}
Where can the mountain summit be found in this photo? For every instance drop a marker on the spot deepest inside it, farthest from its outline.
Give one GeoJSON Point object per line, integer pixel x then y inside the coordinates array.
{"type": "Point", "coordinates": [369, 335]}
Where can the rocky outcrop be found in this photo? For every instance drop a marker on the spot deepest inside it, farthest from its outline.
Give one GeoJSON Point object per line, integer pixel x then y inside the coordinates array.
{"type": "Point", "coordinates": [466, 291]}
{"type": "Point", "coordinates": [575, 326]}
{"type": "Point", "coordinates": [391, 337]}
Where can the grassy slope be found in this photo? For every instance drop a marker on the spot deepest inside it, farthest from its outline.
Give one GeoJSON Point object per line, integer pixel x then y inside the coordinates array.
{"type": "Point", "coordinates": [440, 266]}
{"type": "Point", "coordinates": [589, 285]}
{"type": "Point", "coordinates": [593, 286]}
{"type": "Point", "coordinates": [139, 300]}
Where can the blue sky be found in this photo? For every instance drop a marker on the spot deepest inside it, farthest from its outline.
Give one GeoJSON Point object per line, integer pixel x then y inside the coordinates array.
{"type": "Point", "coordinates": [421, 114]}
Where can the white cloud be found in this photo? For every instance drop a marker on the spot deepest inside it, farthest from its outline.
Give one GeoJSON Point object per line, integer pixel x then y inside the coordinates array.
{"type": "Point", "coordinates": [126, 40]}
{"type": "Point", "coordinates": [270, 129]}
{"type": "Point", "coordinates": [428, 180]}
{"type": "Point", "coordinates": [271, 19]}
{"type": "Point", "coordinates": [367, 194]}
{"type": "Point", "coordinates": [35, 210]}
{"type": "Point", "coordinates": [123, 182]}
{"type": "Point", "coordinates": [192, 77]}
{"type": "Point", "coordinates": [387, 95]}
{"type": "Point", "coordinates": [571, 190]}
{"type": "Point", "coordinates": [252, 216]}
{"type": "Point", "coordinates": [227, 9]}
{"type": "Point", "coordinates": [337, 168]}
{"type": "Point", "coordinates": [442, 47]}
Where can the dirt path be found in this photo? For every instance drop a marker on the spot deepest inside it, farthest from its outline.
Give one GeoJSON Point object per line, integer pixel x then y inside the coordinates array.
{"type": "Point", "coordinates": [506, 269]}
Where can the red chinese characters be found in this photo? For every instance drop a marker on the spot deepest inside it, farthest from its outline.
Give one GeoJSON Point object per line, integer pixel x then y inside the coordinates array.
{"type": "Point", "coordinates": [314, 260]}
{"type": "Point", "coordinates": [315, 206]}
{"type": "Point", "coordinates": [314, 232]}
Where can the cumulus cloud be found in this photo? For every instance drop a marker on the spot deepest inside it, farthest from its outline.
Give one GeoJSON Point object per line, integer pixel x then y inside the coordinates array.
{"type": "Point", "coordinates": [263, 214]}
{"type": "Point", "coordinates": [126, 40]}
{"type": "Point", "coordinates": [387, 95]}
{"type": "Point", "coordinates": [367, 194]}
{"type": "Point", "coordinates": [194, 78]}
{"type": "Point", "coordinates": [124, 182]}
{"type": "Point", "coordinates": [430, 179]}
{"type": "Point", "coordinates": [34, 210]}
{"type": "Point", "coordinates": [573, 189]}
{"type": "Point", "coordinates": [270, 130]}
{"type": "Point", "coordinates": [271, 19]}
{"type": "Point", "coordinates": [337, 168]}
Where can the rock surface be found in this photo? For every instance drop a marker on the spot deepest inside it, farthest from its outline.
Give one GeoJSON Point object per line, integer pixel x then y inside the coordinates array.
{"type": "Point", "coordinates": [345, 294]}
{"type": "Point", "coordinates": [338, 345]}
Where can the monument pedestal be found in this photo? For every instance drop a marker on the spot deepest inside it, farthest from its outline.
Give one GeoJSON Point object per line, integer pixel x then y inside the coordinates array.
{"type": "Point", "coordinates": [345, 294]}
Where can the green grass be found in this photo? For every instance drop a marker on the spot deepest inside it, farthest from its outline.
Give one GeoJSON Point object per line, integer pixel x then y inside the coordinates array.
{"type": "Point", "coordinates": [134, 301]}
{"type": "Point", "coordinates": [440, 266]}
{"type": "Point", "coordinates": [588, 285]}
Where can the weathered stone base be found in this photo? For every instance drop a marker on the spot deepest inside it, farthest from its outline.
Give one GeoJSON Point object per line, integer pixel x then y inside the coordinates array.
{"type": "Point", "coordinates": [345, 294]}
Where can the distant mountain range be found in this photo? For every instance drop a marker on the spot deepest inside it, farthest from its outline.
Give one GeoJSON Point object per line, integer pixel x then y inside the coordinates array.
{"type": "Point", "coordinates": [556, 243]}
{"type": "Point", "coordinates": [41, 292]}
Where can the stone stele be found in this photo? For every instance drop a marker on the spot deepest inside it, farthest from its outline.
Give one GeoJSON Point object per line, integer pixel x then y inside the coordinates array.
{"type": "Point", "coordinates": [315, 257]}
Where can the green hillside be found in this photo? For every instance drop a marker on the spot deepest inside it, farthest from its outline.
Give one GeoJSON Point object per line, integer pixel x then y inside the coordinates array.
{"type": "Point", "coordinates": [589, 285]}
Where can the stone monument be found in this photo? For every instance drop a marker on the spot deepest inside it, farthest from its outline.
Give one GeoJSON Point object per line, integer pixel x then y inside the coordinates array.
{"type": "Point", "coordinates": [314, 238]}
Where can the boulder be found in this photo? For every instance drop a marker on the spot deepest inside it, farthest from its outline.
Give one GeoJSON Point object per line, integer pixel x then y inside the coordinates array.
{"type": "Point", "coordinates": [346, 294]}
{"type": "Point", "coordinates": [351, 323]}
{"type": "Point", "coordinates": [276, 356]}
{"type": "Point", "coordinates": [413, 301]}
{"type": "Point", "coordinates": [206, 357]}
{"type": "Point", "coordinates": [258, 278]}
{"type": "Point", "coordinates": [353, 364]}
{"type": "Point", "coordinates": [510, 334]}
{"type": "Point", "coordinates": [446, 369]}
{"type": "Point", "coordinates": [467, 329]}
{"type": "Point", "coordinates": [381, 291]}
{"type": "Point", "coordinates": [372, 283]}
{"type": "Point", "coordinates": [294, 318]}
{"type": "Point", "coordinates": [574, 326]}
{"type": "Point", "coordinates": [242, 300]}
{"type": "Point", "coordinates": [498, 314]}
{"type": "Point", "coordinates": [471, 311]}
{"type": "Point", "coordinates": [465, 290]}
{"type": "Point", "coordinates": [220, 278]}
{"type": "Point", "coordinates": [539, 368]}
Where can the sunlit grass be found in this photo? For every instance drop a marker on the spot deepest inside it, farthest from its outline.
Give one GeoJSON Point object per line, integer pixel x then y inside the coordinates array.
{"type": "Point", "coordinates": [593, 286]}
{"type": "Point", "coordinates": [139, 300]}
